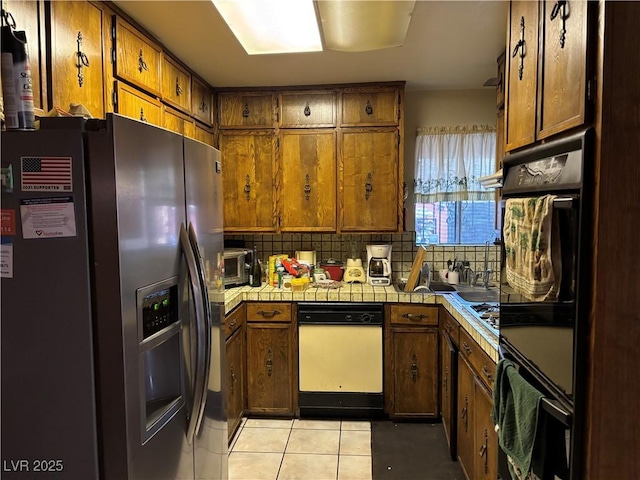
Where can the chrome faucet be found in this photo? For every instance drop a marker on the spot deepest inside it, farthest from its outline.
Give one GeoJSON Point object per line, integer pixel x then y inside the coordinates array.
{"type": "Point", "coordinates": [487, 271]}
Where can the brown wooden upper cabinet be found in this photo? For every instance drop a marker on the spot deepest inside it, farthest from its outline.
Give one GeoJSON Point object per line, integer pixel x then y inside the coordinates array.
{"type": "Point", "coordinates": [249, 178]}
{"type": "Point", "coordinates": [369, 106]}
{"type": "Point", "coordinates": [201, 101]}
{"type": "Point", "coordinates": [368, 179]}
{"type": "Point", "coordinates": [176, 84]}
{"type": "Point", "coordinates": [307, 109]}
{"type": "Point", "coordinates": [137, 58]}
{"type": "Point", "coordinates": [76, 56]}
{"type": "Point", "coordinates": [307, 196]}
{"type": "Point", "coordinates": [133, 103]}
{"type": "Point", "coordinates": [547, 82]}
{"type": "Point", "coordinates": [246, 109]}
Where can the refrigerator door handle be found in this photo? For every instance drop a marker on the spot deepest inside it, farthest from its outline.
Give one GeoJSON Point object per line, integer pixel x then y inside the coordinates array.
{"type": "Point", "coordinates": [206, 326]}
{"type": "Point", "coordinates": [196, 289]}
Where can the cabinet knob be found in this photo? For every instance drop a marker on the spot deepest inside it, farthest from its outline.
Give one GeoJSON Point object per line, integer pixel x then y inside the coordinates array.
{"type": "Point", "coordinates": [142, 65]}
{"type": "Point", "coordinates": [269, 362]}
{"type": "Point", "coordinates": [83, 60]}
{"type": "Point", "coordinates": [414, 368]}
{"type": "Point", "coordinates": [307, 110]}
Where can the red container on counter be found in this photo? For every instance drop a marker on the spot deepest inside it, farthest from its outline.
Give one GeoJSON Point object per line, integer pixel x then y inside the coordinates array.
{"type": "Point", "coordinates": [334, 269]}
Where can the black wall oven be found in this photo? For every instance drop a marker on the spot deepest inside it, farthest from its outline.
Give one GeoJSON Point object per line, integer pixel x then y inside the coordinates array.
{"type": "Point", "coordinates": [543, 322]}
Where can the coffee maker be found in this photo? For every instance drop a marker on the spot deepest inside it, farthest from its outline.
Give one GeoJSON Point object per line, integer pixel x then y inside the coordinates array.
{"type": "Point", "coordinates": [379, 265]}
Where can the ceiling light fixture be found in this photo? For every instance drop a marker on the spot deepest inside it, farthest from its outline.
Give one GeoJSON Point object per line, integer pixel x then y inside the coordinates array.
{"type": "Point", "coordinates": [360, 26]}
{"type": "Point", "coordinates": [272, 26]}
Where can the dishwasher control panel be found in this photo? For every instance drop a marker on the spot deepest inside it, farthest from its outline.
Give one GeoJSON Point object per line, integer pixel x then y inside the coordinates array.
{"type": "Point", "coordinates": [340, 313]}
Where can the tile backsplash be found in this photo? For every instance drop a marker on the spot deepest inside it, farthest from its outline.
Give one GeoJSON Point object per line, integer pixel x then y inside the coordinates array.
{"type": "Point", "coordinates": [403, 250]}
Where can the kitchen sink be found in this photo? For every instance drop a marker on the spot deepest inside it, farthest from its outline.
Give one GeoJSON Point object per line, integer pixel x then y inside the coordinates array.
{"type": "Point", "coordinates": [434, 287]}
{"type": "Point", "coordinates": [479, 295]}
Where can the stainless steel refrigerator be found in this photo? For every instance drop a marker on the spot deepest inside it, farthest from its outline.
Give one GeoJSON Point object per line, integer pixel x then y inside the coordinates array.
{"type": "Point", "coordinates": [112, 303]}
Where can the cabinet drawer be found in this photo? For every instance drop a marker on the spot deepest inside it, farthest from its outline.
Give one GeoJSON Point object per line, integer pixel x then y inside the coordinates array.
{"type": "Point", "coordinates": [174, 120]}
{"type": "Point", "coordinates": [234, 320]}
{"type": "Point", "coordinates": [450, 325]}
{"type": "Point", "coordinates": [269, 312]}
{"type": "Point", "coordinates": [176, 84]}
{"type": "Point", "coordinates": [246, 110]}
{"type": "Point", "coordinates": [484, 367]}
{"type": "Point", "coordinates": [137, 58]}
{"type": "Point", "coordinates": [307, 109]}
{"type": "Point", "coordinates": [367, 106]}
{"type": "Point", "coordinates": [135, 104]}
{"type": "Point", "coordinates": [418, 315]}
{"type": "Point", "coordinates": [201, 101]}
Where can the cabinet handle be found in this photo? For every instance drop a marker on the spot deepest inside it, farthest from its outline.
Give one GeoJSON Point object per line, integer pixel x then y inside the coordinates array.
{"type": "Point", "coordinates": [269, 362]}
{"type": "Point", "coordinates": [307, 110]}
{"type": "Point", "coordinates": [368, 108]}
{"type": "Point", "coordinates": [142, 117]}
{"type": "Point", "coordinates": [307, 187]}
{"type": "Point", "coordinates": [233, 323]}
{"type": "Point", "coordinates": [483, 451]}
{"type": "Point", "coordinates": [247, 187]}
{"type": "Point", "coordinates": [450, 328]}
{"type": "Point", "coordinates": [464, 411]}
{"type": "Point", "coordinates": [245, 111]}
{"type": "Point", "coordinates": [203, 106]}
{"type": "Point", "coordinates": [414, 368]}
{"type": "Point", "coordinates": [233, 379]}
{"type": "Point", "coordinates": [142, 65]}
{"type": "Point", "coordinates": [521, 45]}
{"type": "Point", "coordinates": [368, 186]}
{"type": "Point", "coordinates": [467, 348]}
{"type": "Point", "coordinates": [561, 5]}
{"type": "Point", "coordinates": [179, 90]}
{"type": "Point", "coordinates": [8, 18]}
{"type": "Point", "coordinates": [83, 60]}
{"type": "Point", "coordinates": [414, 317]}
{"type": "Point", "coordinates": [269, 313]}
{"type": "Point", "coordinates": [487, 373]}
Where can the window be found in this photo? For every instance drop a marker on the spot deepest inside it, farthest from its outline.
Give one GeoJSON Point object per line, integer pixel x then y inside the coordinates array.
{"type": "Point", "coordinates": [452, 207]}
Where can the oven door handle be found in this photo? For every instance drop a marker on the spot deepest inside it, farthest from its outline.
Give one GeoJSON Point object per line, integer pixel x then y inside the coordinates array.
{"type": "Point", "coordinates": [564, 203]}
{"type": "Point", "coordinates": [556, 411]}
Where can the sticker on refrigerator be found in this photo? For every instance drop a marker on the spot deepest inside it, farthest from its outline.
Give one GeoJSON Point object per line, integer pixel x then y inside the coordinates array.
{"type": "Point", "coordinates": [6, 177]}
{"type": "Point", "coordinates": [45, 174]}
{"type": "Point", "coordinates": [7, 222]}
{"type": "Point", "coordinates": [6, 258]}
{"type": "Point", "coordinates": [48, 217]}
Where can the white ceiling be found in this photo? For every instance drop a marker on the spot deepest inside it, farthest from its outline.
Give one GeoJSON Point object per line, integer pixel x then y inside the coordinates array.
{"type": "Point", "coordinates": [449, 45]}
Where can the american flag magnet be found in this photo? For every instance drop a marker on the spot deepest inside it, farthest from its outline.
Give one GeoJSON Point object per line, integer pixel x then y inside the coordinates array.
{"type": "Point", "coordinates": [46, 174]}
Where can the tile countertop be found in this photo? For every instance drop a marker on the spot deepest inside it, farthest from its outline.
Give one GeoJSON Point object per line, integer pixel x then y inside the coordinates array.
{"type": "Point", "coordinates": [486, 337]}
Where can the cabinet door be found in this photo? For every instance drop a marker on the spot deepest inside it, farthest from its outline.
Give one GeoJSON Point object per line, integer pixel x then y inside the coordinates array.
{"type": "Point", "coordinates": [466, 410]}
{"type": "Point", "coordinates": [246, 110]}
{"type": "Point", "coordinates": [235, 380]}
{"type": "Point", "coordinates": [28, 15]}
{"type": "Point", "coordinates": [76, 56]}
{"type": "Point", "coordinates": [173, 120]}
{"type": "Point", "coordinates": [307, 109]}
{"type": "Point", "coordinates": [307, 195]}
{"type": "Point", "coordinates": [269, 368]}
{"type": "Point", "coordinates": [520, 106]}
{"type": "Point", "coordinates": [201, 101]}
{"type": "Point", "coordinates": [448, 390]}
{"type": "Point", "coordinates": [415, 370]}
{"type": "Point", "coordinates": [203, 134]}
{"type": "Point", "coordinates": [249, 180]}
{"type": "Point", "coordinates": [486, 440]}
{"type": "Point", "coordinates": [562, 91]}
{"type": "Point", "coordinates": [135, 104]}
{"type": "Point", "coordinates": [137, 58]}
{"type": "Point", "coordinates": [176, 84]}
{"type": "Point", "coordinates": [369, 106]}
{"type": "Point", "coordinates": [369, 184]}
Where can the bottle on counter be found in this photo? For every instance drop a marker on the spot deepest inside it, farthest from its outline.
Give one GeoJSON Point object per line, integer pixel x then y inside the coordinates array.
{"type": "Point", "coordinates": [255, 273]}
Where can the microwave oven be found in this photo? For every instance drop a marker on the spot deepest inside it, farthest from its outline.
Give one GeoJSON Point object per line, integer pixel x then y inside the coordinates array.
{"type": "Point", "coordinates": [237, 262]}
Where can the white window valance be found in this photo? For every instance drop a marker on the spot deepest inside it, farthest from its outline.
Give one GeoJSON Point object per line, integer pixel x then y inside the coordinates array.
{"type": "Point", "coordinates": [450, 160]}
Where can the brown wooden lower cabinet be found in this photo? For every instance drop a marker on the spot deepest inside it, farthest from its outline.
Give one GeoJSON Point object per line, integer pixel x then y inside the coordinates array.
{"type": "Point", "coordinates": [466, 412]}
{"type": "Point", "coordinates": [270, 358]}
{"type": "Point", "coordinates": [486, 440]}
{"type": "Point", "coordinates": [448, 389]}
{"type": "Point", "coordinates": [411, 361]}
{"type": "Point", "coordinates": [235, 380]}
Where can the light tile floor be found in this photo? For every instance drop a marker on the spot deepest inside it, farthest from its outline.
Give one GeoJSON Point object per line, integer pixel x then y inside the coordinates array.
{"type": "Point", "coordinates": [301, 449]}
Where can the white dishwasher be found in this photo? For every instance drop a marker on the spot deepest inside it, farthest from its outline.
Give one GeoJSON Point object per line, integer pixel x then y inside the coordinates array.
{"type": "Point", "coordinates": [340, 359]}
